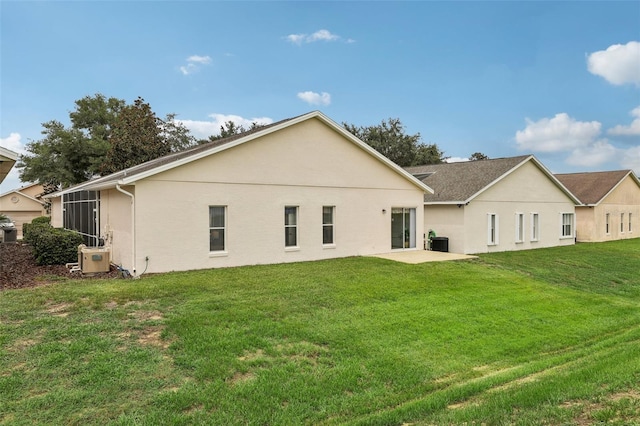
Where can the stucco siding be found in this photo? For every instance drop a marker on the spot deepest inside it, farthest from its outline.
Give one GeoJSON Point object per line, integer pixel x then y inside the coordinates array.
{"type": "Point", "coordinates": [307, 165]}
{"type": "Point", "coordinates": [447, 221]}
{"type": "Point", "coordinates": [116, 225]}
{"type": "Point", "coordinates": [622, 205]}
{"type": "Point", "coordinates": [20, 209]}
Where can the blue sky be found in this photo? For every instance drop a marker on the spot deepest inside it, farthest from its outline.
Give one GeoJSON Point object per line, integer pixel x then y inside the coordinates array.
{"type": "Point", "coordinates": [560, 80]}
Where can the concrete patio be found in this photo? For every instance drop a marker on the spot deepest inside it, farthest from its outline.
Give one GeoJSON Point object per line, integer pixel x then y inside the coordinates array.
{"type": "Point", "coordinates": [422, 256]}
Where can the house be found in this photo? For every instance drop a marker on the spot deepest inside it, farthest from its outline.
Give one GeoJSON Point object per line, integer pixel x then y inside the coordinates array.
{"type": "Point", "coordinates": [7, 160]}
{"type": "Point", "coordinates": [23, 205]}
{"type": "Point", "coordinates": [609, 204]}
{"type": "Point", "coordinates": [297, 190]}
{"type": "Point", "coordinates": [501, 204]}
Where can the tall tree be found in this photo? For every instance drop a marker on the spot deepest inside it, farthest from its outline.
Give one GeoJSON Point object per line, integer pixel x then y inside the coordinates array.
{"type": "Point", "coordinates": [478, 156]}
{"type": "Point", "coordinates": [176, 134]}
{"type": "Point", "coordinates": [230, 128]}
{"type": "Point", "coordinates": [389, 139]}
{"type": "Point", "coordinates": [136, 137]}
{"type": "Point", "coordinates": [70, 155]}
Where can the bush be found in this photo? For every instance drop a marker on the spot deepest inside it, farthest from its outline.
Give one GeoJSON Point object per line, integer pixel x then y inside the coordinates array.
{"type": "Point", "coordinates": [56, 246]}
{"type": "Point", "coordinates": [51, 246]}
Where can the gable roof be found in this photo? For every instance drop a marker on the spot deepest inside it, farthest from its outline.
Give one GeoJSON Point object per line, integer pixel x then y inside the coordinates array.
{"type": "Point", "coordinates": [592, 187]}
{"type": "Point", "coordinates": [7, 160]}
{"type": "Point", "coordinates": [459, 183]}
{"type": "Point", "coordinates": [19, 191]}
{"type": "Point", "coordinates": [131, 175]}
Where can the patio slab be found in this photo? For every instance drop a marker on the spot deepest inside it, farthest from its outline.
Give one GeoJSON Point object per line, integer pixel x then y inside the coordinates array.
{"type": "Point", "coordinates": [422, 256]}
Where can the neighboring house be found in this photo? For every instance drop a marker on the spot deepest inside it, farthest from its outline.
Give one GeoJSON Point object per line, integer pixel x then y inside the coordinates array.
{"type": "Point", "coordinates": [7, 161]}
{"type": "Point", "coordinates": [23, 205]}
{"type": "Point", "coordinates": [297, 190]}
{"type": "Point", "coordinates": [610, 207]}
{"type": "Point", "coordinates": [501, 204]}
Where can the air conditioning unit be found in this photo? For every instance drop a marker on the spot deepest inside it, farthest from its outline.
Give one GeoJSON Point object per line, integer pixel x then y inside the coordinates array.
{"type": "Point", "coordinates": [94, 259]}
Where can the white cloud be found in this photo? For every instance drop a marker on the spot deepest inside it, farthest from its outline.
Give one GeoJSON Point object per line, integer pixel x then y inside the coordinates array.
{"type": "Point", "coordinates": [314, 98]}
{"type": "Point", "coordinates": [619, 64]}
{"type": "Point", "coordinates": [560, 133]}
{"type": "Point", "coordinates": [193, 64]}
{"type": "Point", "coordinates": [592, 155]}
{"type": "Point", "coordinates": [13, 143]}
{"type": "Point", "coordinates": [320, 35]}
{"type": "Point", "coordinates": [455, 159]}
{"type": "Point", "coordinates": [631, 159]}
{"type": "Point", "coordinates": [204, 129]}
{"type": "Point", "coordinates": [631, 130]}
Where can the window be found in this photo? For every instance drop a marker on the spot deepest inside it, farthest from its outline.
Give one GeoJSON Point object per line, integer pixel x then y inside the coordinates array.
{"type": "Point", "coordinates": [80, 213]}
{"type": "Point", "coordinates": [519, 227]}
{"type": "Point", "coordinates": [567, 225]}
{"type": "Point", "coordinates": [327, 225]}
{"type": "Point", "coordinates": [629, 222]}
{"type": "Point", "coordinates": [535, 227]}
{"type": "Point", "coordinates": [606, 223]}
{"type": "Point", "coordinates": [291, 226]}
{"type": "Point", "coordinates": [492, 226]}
{"type": "Point", "coordinates": [622, 223]}
{"type": "Point", "coordinates": [217, 228]}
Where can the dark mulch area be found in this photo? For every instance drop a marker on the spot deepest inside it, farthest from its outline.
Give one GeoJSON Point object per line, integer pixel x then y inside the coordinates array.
{"type": "Point", "coordinates": [18, 269]}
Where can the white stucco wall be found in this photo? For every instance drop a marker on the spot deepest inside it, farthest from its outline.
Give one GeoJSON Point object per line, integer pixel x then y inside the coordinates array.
{"type": "Point", "coordinates": [307, 165]}
{"type": "Point", "coordinates": [116, 225]}
{"type": "Point", "coordinates": [526, 190]}
{"type": "Point", "coordinates": [622, 201]}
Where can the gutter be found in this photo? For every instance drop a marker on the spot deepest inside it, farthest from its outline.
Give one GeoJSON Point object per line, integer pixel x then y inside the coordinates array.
{"type": "Point", "coordinates": [133, 227]}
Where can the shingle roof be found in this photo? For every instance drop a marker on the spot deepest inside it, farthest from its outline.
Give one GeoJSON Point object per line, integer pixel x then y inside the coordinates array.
{"type": "Point", "coordinates": [459, 182]}
{"type": "Point", "coordinates": [134, 173]}
{"type": "Point", "coordinates": [592, 187]}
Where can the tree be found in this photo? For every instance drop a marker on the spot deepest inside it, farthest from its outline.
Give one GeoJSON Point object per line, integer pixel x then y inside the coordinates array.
{"type": "Point", "coordinates": [230, 128]}
{"type": "Point", "coordinates": [176, 134]}
{"type": "Point", "coordinates": [478, 156]}
{"type": "Point", "coordinates": [67, 156]}
{"type": "Point", "coordinates": [136, 137]}
{"type": "Point", "coordinates": [390, 140]}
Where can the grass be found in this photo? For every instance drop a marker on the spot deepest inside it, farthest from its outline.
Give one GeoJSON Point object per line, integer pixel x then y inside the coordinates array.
{"type": "Point", "coordinates": [545, 336]}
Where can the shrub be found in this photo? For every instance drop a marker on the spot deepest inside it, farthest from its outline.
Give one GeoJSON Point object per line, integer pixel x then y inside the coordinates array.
{"type": "Point", "coordinates": [56, 246]}
{"type": "Point", "coordinates": [51, 246]}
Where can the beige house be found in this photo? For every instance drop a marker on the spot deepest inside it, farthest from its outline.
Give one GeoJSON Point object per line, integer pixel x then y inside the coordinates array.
{"type": "Point", "coordinates": [502, 204]}
{"type": "Point", "coordinates": [610, 204]}
{"type": "Point", "coordinates": [297, 190]}
{"type": "Point", "coordinates": [23, 205]}
{"type": "Point", "coordinates": [7, 160]}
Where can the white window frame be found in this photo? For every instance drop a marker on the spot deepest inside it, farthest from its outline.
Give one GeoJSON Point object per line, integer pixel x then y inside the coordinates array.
{"type": "Point", "coordinates": [622, 223]}
{"type": "Point", "coordinates": [519, 228]}
{"type": "Point", "coordinates": [630, 228]}
{"type": "Point", "coordinates": [222, 228]}
{"type": "Point", "coordinates": [571, 225]}
{"type": "Point", "coordinates": [607, 224]}
{"type": "Point", "coordinates": [294, 226]}
{"type": "Point", "coordinates": [331, 225]}
{"type": "Point", "coordinates": [535, 226]}
{"type": "Point", "coordinates": [493, 229]}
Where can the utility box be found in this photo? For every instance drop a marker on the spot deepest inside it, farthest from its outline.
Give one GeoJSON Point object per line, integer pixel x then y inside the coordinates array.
{"type": "Point", "coordinates": [94, 259]}
{"type": "Point", "coordinates": [440, 244]}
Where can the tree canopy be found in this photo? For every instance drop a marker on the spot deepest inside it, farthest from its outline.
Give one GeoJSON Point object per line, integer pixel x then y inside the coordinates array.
{"type": "Point", "coordinates": [105, 135]}
{"type": "Point", "coordinates": [478, 156]}
{"type": "Point", "coordinates": [389, 139]}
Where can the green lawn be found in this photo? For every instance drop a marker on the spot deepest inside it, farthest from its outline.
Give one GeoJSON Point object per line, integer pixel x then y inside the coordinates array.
{"type": "Point", "coordinates": [545, 336]}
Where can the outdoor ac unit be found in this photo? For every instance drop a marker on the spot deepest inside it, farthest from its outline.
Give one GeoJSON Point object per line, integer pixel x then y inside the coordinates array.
{"type": "Point", "coordinates": [94, 259]}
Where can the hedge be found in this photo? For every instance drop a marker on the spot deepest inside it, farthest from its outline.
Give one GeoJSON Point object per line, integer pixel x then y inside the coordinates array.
{"type": "Point", "coordinates": [51, 246]}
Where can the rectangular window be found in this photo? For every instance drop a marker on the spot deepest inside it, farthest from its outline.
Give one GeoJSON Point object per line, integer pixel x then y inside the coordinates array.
{"type": "Point", "coordinates": [629, 222]}
{"type": "Point", "coordinates": [622, 223]}
{"type": "Point", "coordinates": [519, 227]}
{"type": "Point", "coordinates": [535, 227]}
{"type": "Point", "coordinates": [327, 225]}
{"type": "Point", "coordinates": [217, 228]}
{"type": "Point", "coordinates": [492, 226]}
{"type": "Point", "coordinates": [607, 222]}
{"type": "Point", "coordinates": [567, 225]}
{"type": "Point", "coordinates": [291, 226]}
{"type": "Point", "coordinates": [403, 228]}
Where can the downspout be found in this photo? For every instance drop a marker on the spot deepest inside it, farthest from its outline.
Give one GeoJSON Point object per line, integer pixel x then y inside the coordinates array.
{"type": "Point", "coordinates": [133, 228]}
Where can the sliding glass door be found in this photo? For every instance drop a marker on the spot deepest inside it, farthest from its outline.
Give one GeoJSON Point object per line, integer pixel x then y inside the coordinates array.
{"type": "Point", "coordinates": [403, 228]}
